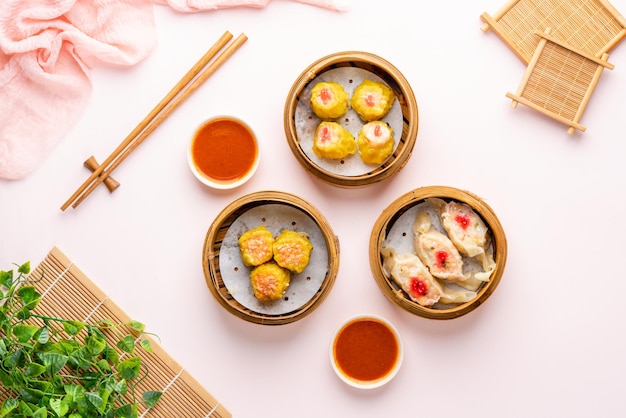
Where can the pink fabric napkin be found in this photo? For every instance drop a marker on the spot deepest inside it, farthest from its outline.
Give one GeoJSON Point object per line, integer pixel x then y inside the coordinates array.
{"type": "Point", "coordinates": [46, 51]}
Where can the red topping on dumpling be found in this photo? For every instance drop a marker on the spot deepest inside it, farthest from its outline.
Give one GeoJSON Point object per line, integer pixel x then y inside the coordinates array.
{"type": "Point", "coordinates": [370, 100]}
{"type": "Point", "coordinates": [419, 286]}
{"type": "Point", "coordinates": [378, 131]}
{"type": "Point", "coordinates": [442, 258]}
{"type": "Point", "coordinates": [463, 220]}
{"type": "Point", "coordinates": [325, 134]}
{"type": "Point", "coordinates": [326, 95]}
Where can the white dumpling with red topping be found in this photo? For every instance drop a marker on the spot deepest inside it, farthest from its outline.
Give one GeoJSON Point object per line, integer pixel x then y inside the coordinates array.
{"type": "Point", "coordinates": [468, 232]}
{"type": "Point", "coordinates": [436, 250]}
{"type": "Point", "coordinates": [408, 271]}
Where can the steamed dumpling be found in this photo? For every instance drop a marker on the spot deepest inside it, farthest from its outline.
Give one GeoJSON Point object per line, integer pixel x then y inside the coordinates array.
{"type": "Point", "coordinates": [468, 232]}
{"type": "Point", "coordinates": [269, 281]}
{"type": "Point", "coordinates": [436, 250]}
{"type": "Point", "coordinates": [256, 246]}
{"type": "Point", "coordinates": [372, 100]}
{"type": "Point", "coordinates": [375, 142]}
{"type": "Point", "coordinates": [412, 276]}
{"type": "Point", "coordinates": [408, 271]}
{"type": "Point", "coordinates": [292, 250]}
{"type": "Point", "coordinates": [329, 100]}
{"type": "Point", "coordinates": [333, 141]}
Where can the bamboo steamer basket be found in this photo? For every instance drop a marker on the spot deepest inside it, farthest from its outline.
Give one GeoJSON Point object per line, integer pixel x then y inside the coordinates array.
{"type": "Point", "coordinates": [404, 96]}
{"type": "Point", "coordinates": [404, 203]}
{"type": "Point", "coordinates": [213, 245]}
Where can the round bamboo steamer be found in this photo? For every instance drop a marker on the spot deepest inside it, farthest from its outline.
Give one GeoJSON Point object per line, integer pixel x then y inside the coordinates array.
{"type": "Point", "coordinates": [213, 242]}
{"type": "Point", "coordinates": [405, 202]}
{"type": "Point", "coordinates": [404, 95]}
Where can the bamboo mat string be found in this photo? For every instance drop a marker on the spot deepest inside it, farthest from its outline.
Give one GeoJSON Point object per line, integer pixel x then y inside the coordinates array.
{"type": "Point", "coordinates": [213, 410]}
{"type": "Point", "coordinates": [170, 384]}
{"type": "Point", "coordinates": [96, 308]}
{"type": "Point", "coordinates": [56, 280]}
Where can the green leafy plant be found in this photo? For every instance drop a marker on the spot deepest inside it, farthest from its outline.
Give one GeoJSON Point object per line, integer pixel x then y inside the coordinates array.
{"type": "Point", "coordinates": [62, 367]}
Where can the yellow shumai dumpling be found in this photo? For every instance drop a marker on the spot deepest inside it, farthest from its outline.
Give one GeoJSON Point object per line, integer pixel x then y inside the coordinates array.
{"type": "Point", "coordinates": [292, 250]}
{"type": "Point", "coordinates": [256, 246]}
{"type": "Point", "coordinates": [372, 100]}
{"type": "Point", "coordinates": [332, 140]}
{"type": "Point", "coordinates": [329, 100]}
{"type": "Point", "coordinates": [375, 142]}
{"type": "Point", "coordinates": [269, 281]}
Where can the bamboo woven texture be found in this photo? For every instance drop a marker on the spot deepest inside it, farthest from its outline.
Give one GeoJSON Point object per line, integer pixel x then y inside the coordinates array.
{"type": "Point", "coordinates": [69, 293]}
{"type": "Point", "coordinates": [559, 81]}
{"type": "Point", "coordinates": [591, 26]}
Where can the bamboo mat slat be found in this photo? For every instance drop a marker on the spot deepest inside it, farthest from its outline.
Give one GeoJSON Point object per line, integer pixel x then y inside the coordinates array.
{"type": "Point", "coordinates": [559, 81]}
{"type": "Point", "coordinates": [591, 26]}
{"type": "Point", "coordinates": [69, 293]}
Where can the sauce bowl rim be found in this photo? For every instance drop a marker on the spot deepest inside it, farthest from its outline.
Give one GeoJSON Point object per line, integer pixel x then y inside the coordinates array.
{"type": "Point", "coordinates": [378, 382]}
{"type": "Point", "coordinates": [225, 184]}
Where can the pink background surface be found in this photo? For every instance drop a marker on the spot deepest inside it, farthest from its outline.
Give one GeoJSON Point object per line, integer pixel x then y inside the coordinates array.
{"type": "Point", "coordinates": [549, 341]}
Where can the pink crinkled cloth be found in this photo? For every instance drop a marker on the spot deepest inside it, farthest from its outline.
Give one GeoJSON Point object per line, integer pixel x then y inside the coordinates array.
{"type": "Point", "coordinates": [46, 50]}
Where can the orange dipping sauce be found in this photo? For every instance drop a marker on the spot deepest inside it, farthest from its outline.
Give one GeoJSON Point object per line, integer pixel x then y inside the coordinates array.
{"type": "Point", "coordinates": [224, 150]}
{"type": "Point", "coordinates": [366, 350]}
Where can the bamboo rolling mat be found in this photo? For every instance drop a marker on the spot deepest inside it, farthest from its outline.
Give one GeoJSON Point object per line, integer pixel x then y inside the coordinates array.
{"type": "Point", "coordinates": [591, 26]}
{"type": "Point", "coordinates": [559, 81]}
{"type": "Point", "coordinates": [69, 293]}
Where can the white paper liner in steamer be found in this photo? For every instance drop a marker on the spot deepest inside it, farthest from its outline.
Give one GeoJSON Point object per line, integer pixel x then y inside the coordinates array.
{"type": "Point", "coordinates": [401, 238]}
{"type": "Point", "coordinates": [303, 286]}
{"type": "Point", "coordinates": [306, 121]}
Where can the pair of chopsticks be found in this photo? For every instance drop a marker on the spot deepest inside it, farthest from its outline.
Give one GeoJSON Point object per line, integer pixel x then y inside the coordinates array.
{"type": "Point", "coordinates": [197, 75]}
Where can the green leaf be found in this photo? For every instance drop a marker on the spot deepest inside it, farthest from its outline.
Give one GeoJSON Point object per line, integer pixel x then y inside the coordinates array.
{"type": "Point", "coordinates": [24, 268]}
{"type": "Point", "coordinates": [31, 395]}
{"type": "Point", "coordinates": [151, 397]}
{"type": "Point", "coordinates": [73, 327]}
{"type": "Point", "coordinates": [54, 362]}
{"type": "Point", "coordinates": [6, 379]}
{"type": "Point", "coordinates": [16, 359]}
{"type": "Point", "coordinates": [59, 406]}
{"type": "Point", "coordinates": [121, 387]}
{"type": "Point", "coordinates": [126, 411]}
{"type": "Point", "coordinates": [112, 356]}
{"type": "Point", "coordinates": [42, 336]}
{"type": "Point", "coordinates": [6, 278]}
{"type": "Point", "coordinates": [146, 345]}
{"type": "Point", "coordinates": [74, 392]}
{"type": "Point", "coordinates": [30, 297]}
{"type": "Point", "coordinates": [8, 405]}
{"type": "Point", "coordinates": [34, 370]}
{"type": "Point", "coordinates": [129, 369]}
{"type": "Point", "coordinates": [24, 332]}
{"type": "Point", "coordinates": [94, 399]}
{"type": "Point", "coordinates": [41, 412]}
{"type": "Point", "coordinates": [127, 344]}
{"type": "Point", "coordinates": [96, 343]}
{"type": "Point", "coordinates": [136, 325]}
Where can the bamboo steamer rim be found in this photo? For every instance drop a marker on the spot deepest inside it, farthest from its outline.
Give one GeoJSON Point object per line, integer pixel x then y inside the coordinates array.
{"type": "Point", "coordinates": [213, 241]}
{"type": "Point", "coordinates": [400, 205]}
{"type": "Point", "coordinates": [405, 97]}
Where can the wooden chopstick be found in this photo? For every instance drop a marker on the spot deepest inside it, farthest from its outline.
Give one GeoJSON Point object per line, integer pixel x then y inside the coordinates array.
{"type": "Point", "coordinates": [186, 86]}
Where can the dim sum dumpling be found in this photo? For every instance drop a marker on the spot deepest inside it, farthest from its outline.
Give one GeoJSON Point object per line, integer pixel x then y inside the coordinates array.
{"type": "Point", "coordinates": [256, 246]}
{"type": "Point", "coordinates": [372, 100]}
{"type": "Point", "coordinates": [292, 250]}
{"type": "Point", "coordinates": [408, 271]}
{"type": "Point", "coordinates": [375, 142]}
{"type": "Point", "coordinates": [468, 232]}
{"type": "Point", "coordinates": [333, 141]}
{"type": "Point", "coordinates": [329, 100]}
{"type": "Point", "coordinates": [436, 250]}
{"type": "Point", "coordinates": [269, 281]}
